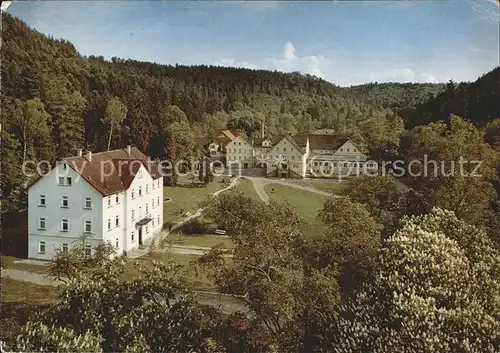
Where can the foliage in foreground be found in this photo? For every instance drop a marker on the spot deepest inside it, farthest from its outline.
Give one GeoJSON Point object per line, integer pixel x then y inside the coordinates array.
{"type": "Point", "coordinates": [436, 289]}
{"type": "Point", "coordinates": [432, 286]}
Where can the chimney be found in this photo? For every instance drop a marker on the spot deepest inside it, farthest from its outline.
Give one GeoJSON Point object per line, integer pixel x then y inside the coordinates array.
{"type": "Point", "coordinates": [89, 156]}
{"type": "Point", "coordinates": [80, 152]}
{"type": "Point", "coordinates": [128, 150]}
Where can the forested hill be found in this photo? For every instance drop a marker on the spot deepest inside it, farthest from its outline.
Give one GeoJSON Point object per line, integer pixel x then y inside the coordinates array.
{"type": "Point", "coordinates": [35, 66]}
{"type": "Point", "coordinates": [399, 96]}
{"type": "Point", "coordinates": [477, 101]}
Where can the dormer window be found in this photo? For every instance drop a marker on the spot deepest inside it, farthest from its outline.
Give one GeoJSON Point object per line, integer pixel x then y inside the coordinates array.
{"type": "Point", "coordinates": [65, 166]}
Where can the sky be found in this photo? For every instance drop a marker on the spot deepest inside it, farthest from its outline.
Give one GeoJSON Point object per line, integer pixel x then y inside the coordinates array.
{"type": "Point", "coordinates": [344, 42]}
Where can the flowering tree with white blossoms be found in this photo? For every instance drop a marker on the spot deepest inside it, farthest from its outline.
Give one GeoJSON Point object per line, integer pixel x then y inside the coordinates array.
{"type": "Point", "coordinates": [437, 289]}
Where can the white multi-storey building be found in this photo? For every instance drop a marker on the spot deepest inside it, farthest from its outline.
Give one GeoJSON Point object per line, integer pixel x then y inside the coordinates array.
{"type": "Point", "coordinates": [300, 156]}
{"type": "Point", "coordinates": [114, 196]}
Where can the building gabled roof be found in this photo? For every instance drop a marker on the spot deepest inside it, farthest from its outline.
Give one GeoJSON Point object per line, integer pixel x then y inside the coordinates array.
{"type": "Point", "coordinates": [294, 143]}
{"type": "Point", "coordinates": [326, 142]}
{"type": "Point", "coordinates": [113, 171]}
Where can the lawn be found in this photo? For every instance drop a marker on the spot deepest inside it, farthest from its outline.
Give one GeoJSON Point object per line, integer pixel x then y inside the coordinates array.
{"type": "Point", "coordinates": [332, 187]}
{"type": "Point", "coordinates": [246, 187]}
{"type": "Point", "coordinates": [186, 199]}
{"type": "Point", "coordinates": [207, 240]}
{"type": "Point", "coordinates": [304, 203]}
{"type": "Point", "coordinates": [20, 301]}
{"type": "Point", "coordinates": [8, 262]}
{"type": "Point", "coordinates": [195, 279]}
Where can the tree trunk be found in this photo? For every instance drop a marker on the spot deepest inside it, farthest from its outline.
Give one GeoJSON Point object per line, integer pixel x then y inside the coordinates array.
{"type": "Point", "coordinates": [24, 146]}
{"type": "Point", "coordinates": [110, 134]}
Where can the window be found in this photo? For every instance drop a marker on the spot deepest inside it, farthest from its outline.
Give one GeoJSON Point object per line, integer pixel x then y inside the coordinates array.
{"type": "Point", "coordinates": [348, 150]}
{"type": "Point", "coordinates": [140, 190]}
{"type": "Point", "coordinates": [341, 150]}
{"type": "Point", "coordinates": [61, 180]}
{"type": "Point", "coordinates": [133, 194]}
{"type": "Point", "coordinates": [158, 200]}
{"type": "Point", "coordinates": [158, 183]}
{"type": "Point", "coordinates": [64, 225]}
{"type": "Point", "coordinates": [147, 188]}
{"type": "Point", "coordinates": [117, 221]}
{"type": "Point", "coordinates": [147, 229]}
{"type": "Point", "coordinates": [88, 250]}
{"type": "Point", "coordinates": [64, 247]}
{"type": "Point", "coordinates": [117, 199]}
{"type": "Point", "coordinates": [109, 201]}
{"type": "Point", "coordinates": [153, 222]}
{"type": "Point", "coordinates": [153, 202]}
{"type": "Point", "coordinates": [133, 214]}
{"type": "Point", "coordinates": [132, 236]}
{"type": "Point", "coordinates": [65, 166]}
{"type": "Point", "coordinates": [284, 149]}
{"type": "Point", "coordinates": [239, 150]}
{"type": "Point", "coordinates": [277, 149]}
{"type": "Point", "coordinates": [65, 201]}
{"type": "Point", "coordinates": [214, 152]}
{"type": "Point", "coordinates": [158, 218]}
{"type": "Point", "coordinates": [42, 223]}
{"type": "Point", "coordinates": [140, 173]}
{"type": "Point", "coordinates": [42, 200]}
{"type": "Point", "coordinates": [88, 226]}
{"type": "Point", "coordinates": [109, 224]}
{"type": "Point", "coordinates": [68, 181]}
{"type": "Point", "coordinates": [117, 244]}
{"type": "Point", "coordinates": [41, 247]}
{"type": "Point", "coordinates": [146, 208]}
{"type": "Point", "coordinates": [88, 202]}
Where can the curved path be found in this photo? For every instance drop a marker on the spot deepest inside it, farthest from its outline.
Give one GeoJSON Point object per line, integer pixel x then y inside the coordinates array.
{"type": "Point", "coordinates": [140, 252]}
{"type": "Point", "coordinates": [225, 302]}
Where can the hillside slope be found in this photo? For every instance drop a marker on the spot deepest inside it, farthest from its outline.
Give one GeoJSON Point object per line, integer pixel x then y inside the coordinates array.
{"type": "Point", "coordinates": [478, 101]}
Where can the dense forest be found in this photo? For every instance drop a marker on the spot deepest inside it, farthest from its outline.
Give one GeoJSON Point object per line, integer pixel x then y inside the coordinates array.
{"type": "Point", "coordinates": [407, 263]}
{"type": "Point", "coordinates": [476, 101]}
{"type": "Point", "coordinates": [56, 101]}
{"type": "Point", "coordinates": [400, 97]}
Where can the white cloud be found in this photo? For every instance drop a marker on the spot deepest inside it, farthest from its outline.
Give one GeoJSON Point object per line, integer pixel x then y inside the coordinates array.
{"type": "Point", "coordinates": [402, 75]}
{"type": "Point", "coordinates": [289, 51]}
{"type": "Point", "coordinates": [232, 63]}
{"type": "Point", "coordinates": [289, 62]}
{"type": "Point", "coordinates": [340, 73]}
